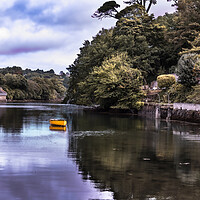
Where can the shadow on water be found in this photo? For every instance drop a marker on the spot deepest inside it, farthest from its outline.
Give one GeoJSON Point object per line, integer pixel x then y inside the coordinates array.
{"type": "Point", "coordinates": [11, 120]}
{"type": "Point", "coordinates": [136, 158]}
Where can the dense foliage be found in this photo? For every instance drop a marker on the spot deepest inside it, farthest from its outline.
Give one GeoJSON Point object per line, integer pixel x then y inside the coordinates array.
{"type": "Point", "coordinates": [137, 34]}
{"type": "Point", "coordinates": [91, 54]}
{"type": "Point", "coordinates": [114, 84]}
{"type": "Point", "coordinates": [194, 96]}
{"type": "Point", "coordinates": [152, 46]}
{"type": "Point", "coordinates": [185, 24]}
{"type": "Point", "coordinates": [178, 93]}
{"type": "Point", "coordinates": [165, 81]}
{"type": "Point", "coordinates": [110, 8]}
{"type": "Point", "coordinates": [186, 72]}
{"type": "Point", "coordinates": [32, 85]}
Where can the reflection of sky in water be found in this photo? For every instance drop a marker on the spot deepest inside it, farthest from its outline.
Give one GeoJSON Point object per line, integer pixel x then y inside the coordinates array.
{"type": "Point", "coordinates": [188, 136]}
{"type": "Point", "coordinates": [133, 158]}
{"type": "Point", "coordinates": [34, 162]}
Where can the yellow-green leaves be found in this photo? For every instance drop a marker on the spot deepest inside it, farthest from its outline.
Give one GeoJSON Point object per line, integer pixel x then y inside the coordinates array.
{"type": "Point", "coordinates": [113, 84]}
{"type": "Point", "coordinates": [166, 80]}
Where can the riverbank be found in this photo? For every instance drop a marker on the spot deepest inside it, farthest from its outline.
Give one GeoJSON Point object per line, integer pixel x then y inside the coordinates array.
{"type": "Point", "coordinates": [35, 101]}
{"type": "Point", "coordinates": [182, 112]}
{"type": "Point", "coordinates": [111, 111]}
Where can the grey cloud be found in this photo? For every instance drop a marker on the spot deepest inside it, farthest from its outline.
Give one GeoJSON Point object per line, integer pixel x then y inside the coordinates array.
{"type": "Point", "coordinates": [23, 49]}
{"type": "Point", "coordinates": [15, 45]}
{"type": "Point", "coordinates": [45, 28]}
{"type": "Point", "coordinates": [21, 10]}
{"type": "Point", "coordinates": [74, 16]}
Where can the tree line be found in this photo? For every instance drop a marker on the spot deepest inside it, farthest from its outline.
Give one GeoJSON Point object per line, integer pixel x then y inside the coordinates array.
{"type": "Point", "coordinates": [33, 84]}
{"type": "Point", "coordinates": [110, 69]}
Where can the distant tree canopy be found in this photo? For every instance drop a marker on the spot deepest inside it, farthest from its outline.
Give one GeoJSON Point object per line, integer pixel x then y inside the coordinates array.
{"type": "Point", "coordinates": [11, 70]}
{"type": "Point", "coordinates": [32, 85]}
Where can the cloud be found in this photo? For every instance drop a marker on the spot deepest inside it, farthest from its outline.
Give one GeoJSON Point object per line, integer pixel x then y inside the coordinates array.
{"type": "Point", "coordinates": [47, 33]}
{"type": "Point", "coordinates": [52, 12]}
{"type": "Point", "coordinates": [27, 26]}
{"type": "Point", "coordinates": [24, 36]}
{"type": "Point", "coordinates": [51, 59]}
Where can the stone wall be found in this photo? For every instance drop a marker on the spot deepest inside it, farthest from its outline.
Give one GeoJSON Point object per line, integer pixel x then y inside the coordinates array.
{"type": "Point", "coordinates": [149, 110]}
{"type": "Point", "coordinates": [153, 110]}
{"type": "Point", "coordinates": [187, 106]}
{"type": "Point", "coordinates": [169, 112]}
{"type": "Point", "coordinates": [186, 115]}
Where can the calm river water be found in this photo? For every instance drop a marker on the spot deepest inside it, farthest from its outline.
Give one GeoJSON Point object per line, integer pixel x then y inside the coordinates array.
{"type": "Point", "coordinates": [101, 157]}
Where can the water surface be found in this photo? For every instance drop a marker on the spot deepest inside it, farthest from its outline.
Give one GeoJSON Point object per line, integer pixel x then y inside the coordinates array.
{"type": "Point", "coordinates": [98, 157]}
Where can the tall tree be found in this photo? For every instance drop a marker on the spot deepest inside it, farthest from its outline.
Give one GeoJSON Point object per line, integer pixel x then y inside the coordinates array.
{"type": "Point", "coordinates": [169, 21]}
{"type": "Point", "coordinates": [136, 33]}
{"type": "Point", "coordinates": [186, 72]}
{"type": "Point", "coordinates": [187, 26]}
{"type": "Point", "coordinates": [91, 54]}
{"type": "Point", "coordinates": [194, 52]}
{"type": "Point", "coordinates": [146, 3]}
{"type": "Point", "coordinates": [195, 46]}
{"type": "Point", "coordinates": [113, 84]}
{"type": "Point", "coordinates": [143, 39]}
{"type": "Point", "coordinates": [108, 9]}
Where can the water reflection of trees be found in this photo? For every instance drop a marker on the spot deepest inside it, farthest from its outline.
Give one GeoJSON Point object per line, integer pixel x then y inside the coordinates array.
{"type": "Point", "coordinates": [138, 160]}
{"type": "Point", "coordinates": [11, 120]}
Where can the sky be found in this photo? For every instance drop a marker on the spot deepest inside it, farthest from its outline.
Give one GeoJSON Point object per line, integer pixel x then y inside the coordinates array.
{"type": "Point", "coordinates": [47, 34]}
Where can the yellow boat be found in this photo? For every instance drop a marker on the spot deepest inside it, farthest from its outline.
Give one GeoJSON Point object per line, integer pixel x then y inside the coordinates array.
{"type": "Point", "coordinates": [57, 128]}
{"type": "Point", "coordinates": [58, 122]}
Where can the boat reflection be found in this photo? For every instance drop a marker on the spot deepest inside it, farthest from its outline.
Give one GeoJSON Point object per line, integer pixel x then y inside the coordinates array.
{"type": "Point", "coordinates": [57, 128]}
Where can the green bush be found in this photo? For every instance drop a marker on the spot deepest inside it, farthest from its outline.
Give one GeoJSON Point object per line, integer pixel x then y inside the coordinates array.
{"type": "Point", "coordinates": [19, 95]}
{"type": "Point", "coordinates": [194, 96]}
{"type": "Point", "coordinates": [113, 85]}
{"type": "Point", "coordinates": [34, 90]}
{"type": "Point", "coordinates": [187, 74]}
{"type": "Point", "coordinates": [2, 79]}
{"type": "Point", "coordinates": [15, 81]}
{"type": "Point", "coordinates": [165, 81]}
{"type": "Point", "coordinates": [178, 93]}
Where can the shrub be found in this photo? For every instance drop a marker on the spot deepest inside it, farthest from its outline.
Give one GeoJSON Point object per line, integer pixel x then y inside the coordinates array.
{"type": "Point", "coordinates": [113, 85]}
{"type": "Point", "coordinates": [178, 93]}
{"type": "Point", "coordinates": [19, 95]}
{"type": "Point", "coordinates": [165, 81]}
{"type": "Point", "coordinates": [186, 72]}
{"type": "Point", "coordinates": [194, 96]}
